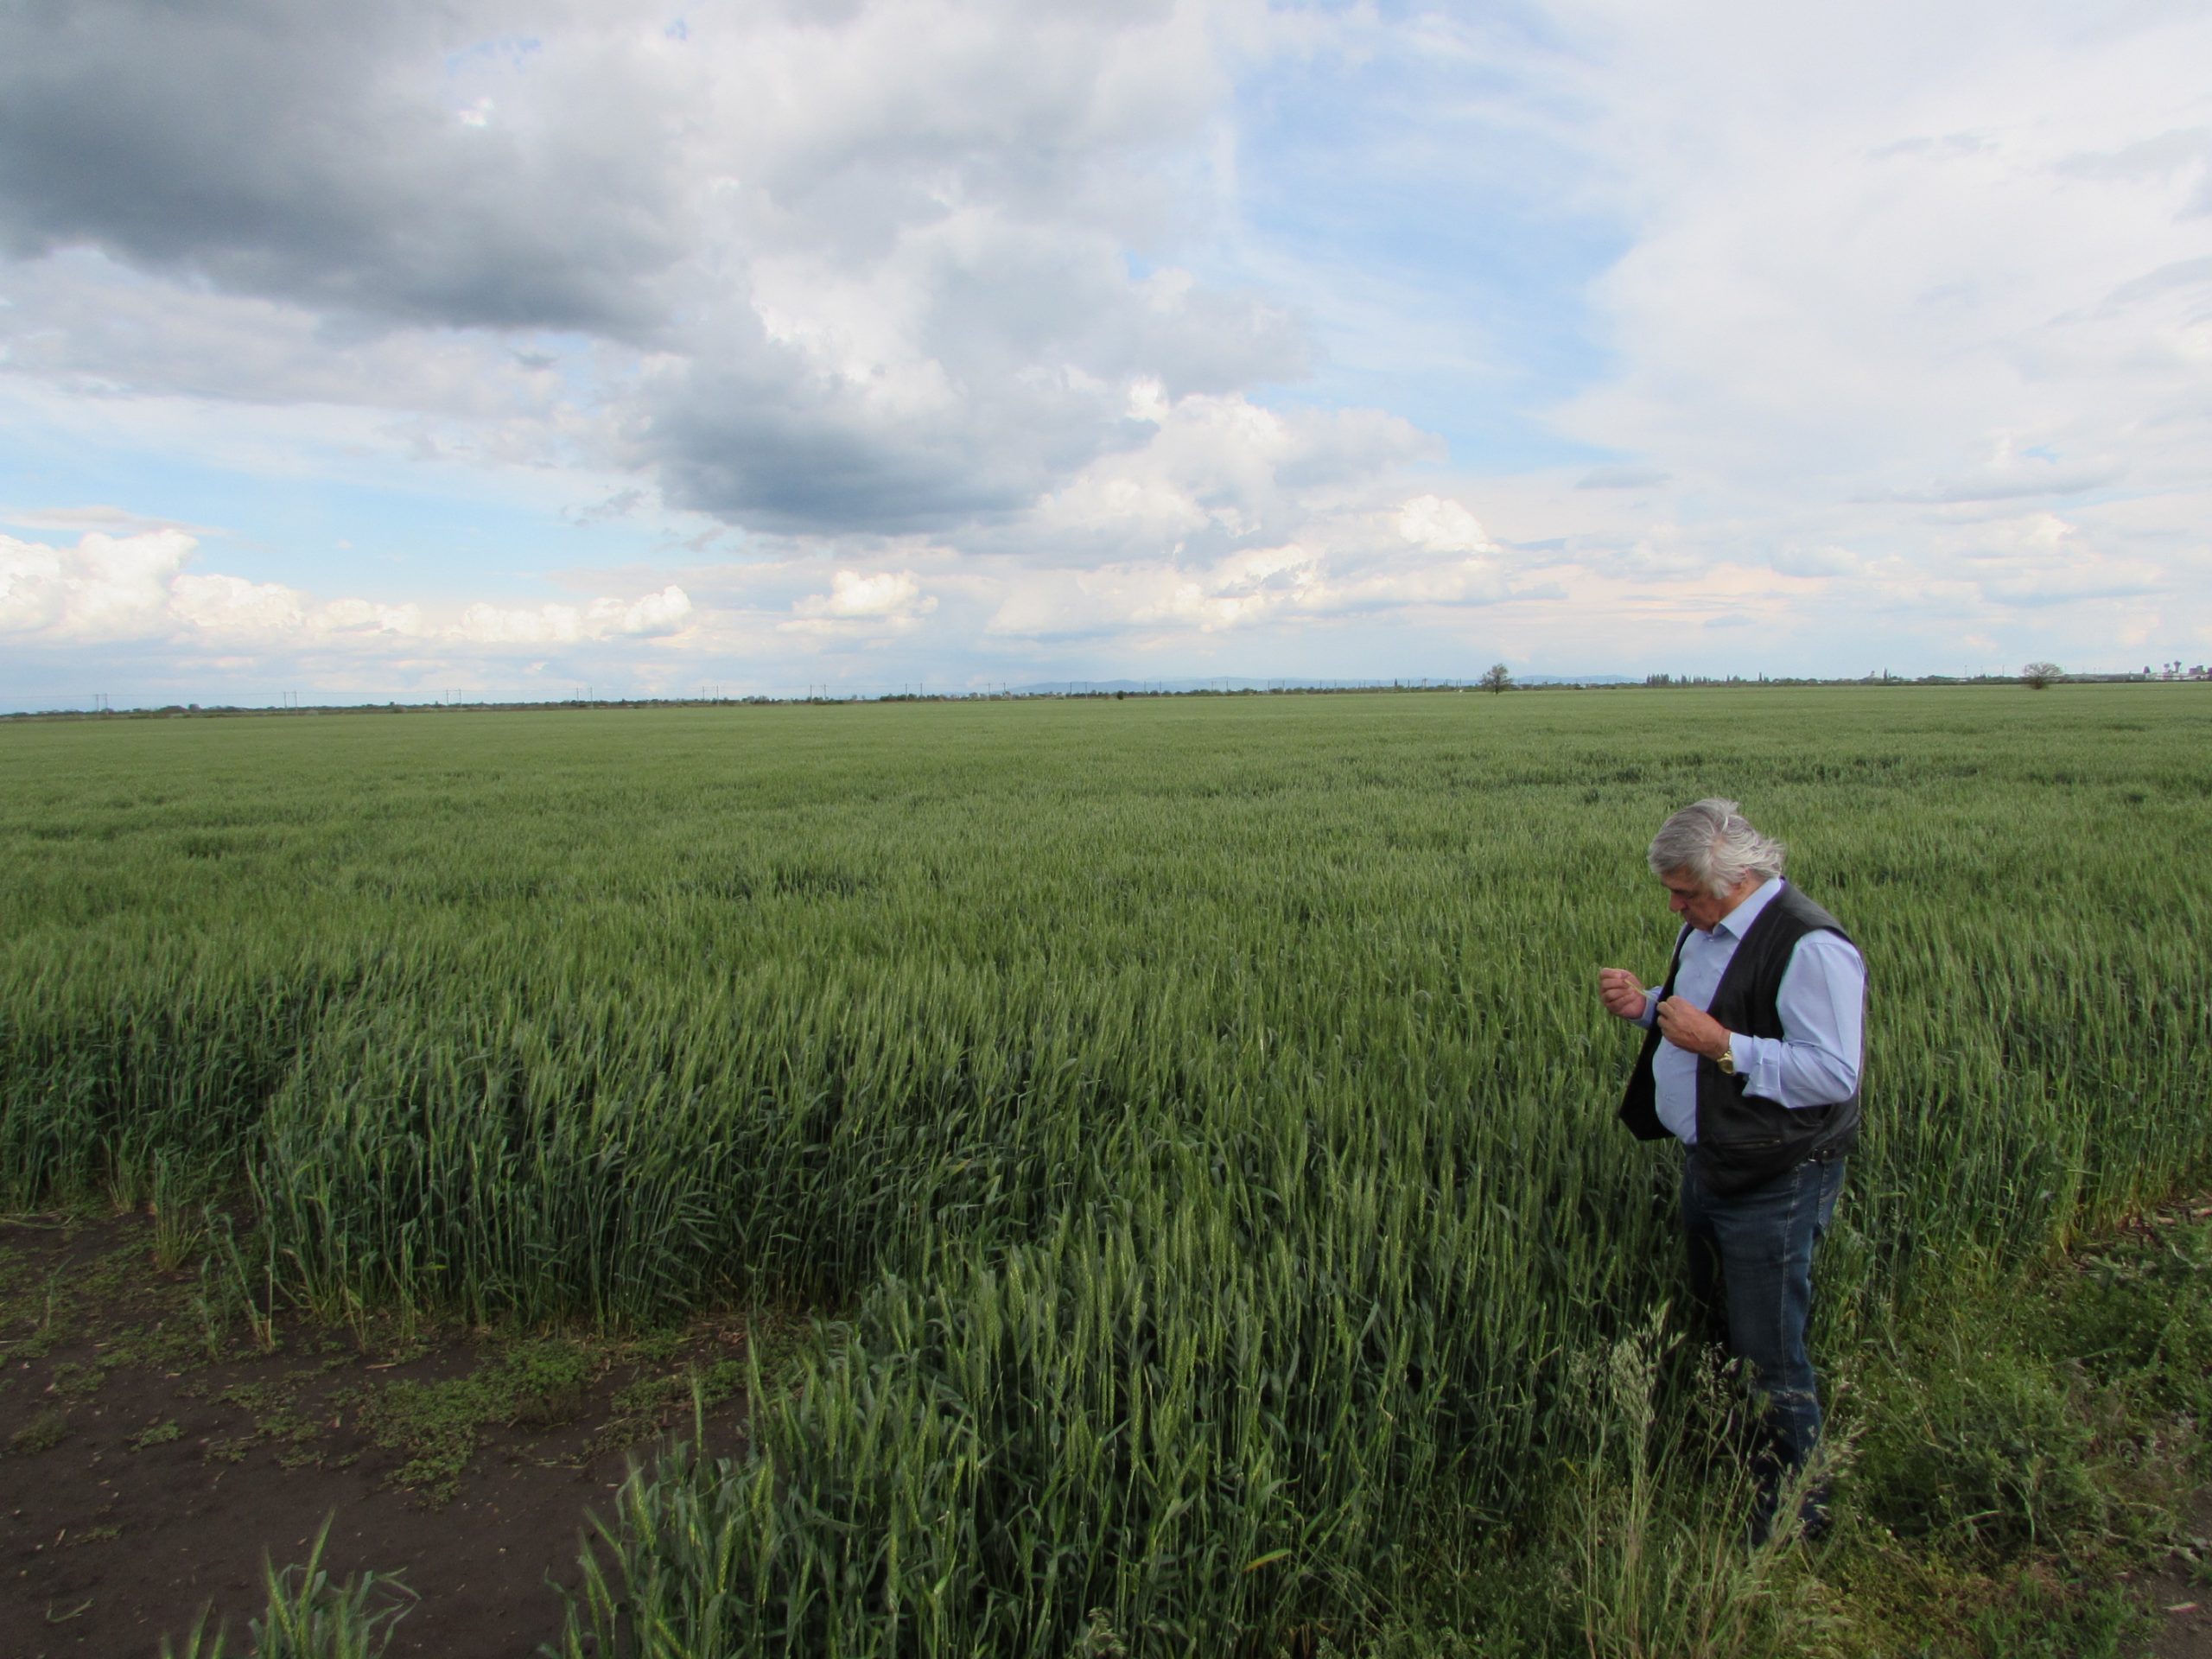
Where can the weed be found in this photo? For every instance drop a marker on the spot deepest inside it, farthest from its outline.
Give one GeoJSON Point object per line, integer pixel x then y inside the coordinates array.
{"type": "Point", "coordinates": [2035, 1621]}
{"type": "Point", "coordinates": [542, 1384]}
{"type": "Point", "coordinates": [1657, 1512]}
{"type": "Point", "coordinates": [71, 1380]}
{"type": "Point", "coordinates": [42, 1434]}
{"type": "Point", "coordinates": [435, 1425]}
{"type": "Point", "coordinates": [308, 1615]}
{"type": "Point", "coordinates": [180, 1216]}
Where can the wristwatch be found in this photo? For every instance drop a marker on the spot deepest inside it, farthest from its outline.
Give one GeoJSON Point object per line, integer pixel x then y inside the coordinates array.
{"type": "Point", "coordinates": [1727, 1058]}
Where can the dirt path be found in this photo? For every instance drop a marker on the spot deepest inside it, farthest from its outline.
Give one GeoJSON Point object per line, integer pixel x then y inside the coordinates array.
{"type": "Point", "coordinates": [144, 1477]}
{"type": "Point", "coordinates": [2176, 1593]}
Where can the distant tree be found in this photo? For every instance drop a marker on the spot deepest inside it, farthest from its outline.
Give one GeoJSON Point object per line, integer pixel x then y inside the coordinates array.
{"type": "Point", "coordinates": [2035, 676]}
{"type": "Point", "coordinates": [1497, 677]}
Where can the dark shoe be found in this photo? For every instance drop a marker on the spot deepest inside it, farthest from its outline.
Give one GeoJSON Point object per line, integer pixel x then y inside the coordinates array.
{"type": "Point", "coordinates": [1813, 1521]}
{"type": "Point", "coordinates": [1814, 1514]}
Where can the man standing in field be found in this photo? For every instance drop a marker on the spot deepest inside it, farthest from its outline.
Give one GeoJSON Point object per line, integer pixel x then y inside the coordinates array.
{"type": "Point", "coordinates": [1752, 1062]}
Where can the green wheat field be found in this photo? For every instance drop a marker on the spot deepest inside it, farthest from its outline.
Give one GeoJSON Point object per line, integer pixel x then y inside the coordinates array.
{"type": "Point", "coordinates": [1190, 1119]}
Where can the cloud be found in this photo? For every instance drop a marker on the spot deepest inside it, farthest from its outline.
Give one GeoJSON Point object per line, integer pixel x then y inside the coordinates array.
{"type": "Point", "coordinates": [107, 588]}
{"type": "Point", "coordinates": [2177, 275]}
{"type": "Point", "coordinates": [110, 590]}
{"type": "Point", "coordinates": [1345, 564]}
{"type": "Point", "coordinates": [880, 253]}
{"type": "Point", "coordinates": [972, 367]}
{"type": "Point", "coordinates": [1437, 525]}
{"type": "Point", "coordinates": [231, 608]}
{"type": "Point", "coordinates": [2008, 476]}
{"type": "Point", "coordinates": [103, 329]}
{"type": "Point", "coordinates": [115, 521]}
{"type": "Point", "coordinates": [2040, 559]}
{"type": "Point", "coordinates": [863, 602]}
{"type": "Point", "coordinates": [1858, 270]}
{"type": "Point", "coordinates": [1621, 478]}
{"type": "Point", "coordinates": [316, 154]}
{"type": "Point", "coordinates": [986, 332]}
{"type": "Point", "coordinates": [851, 593]}
{"type": "Point", "coordinates": [655, 615]}
{"type": "Point", "coordinates": [2176, 151]}
{"type": "Point", "coordinates": [1815, 561]}
{"type": "Point", "coordinates": [1212, 473]}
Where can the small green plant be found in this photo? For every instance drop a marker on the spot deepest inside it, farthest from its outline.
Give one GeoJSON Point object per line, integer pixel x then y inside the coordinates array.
{"type": "Point", "coordinates": [158, 1434]}
{"type": "Point", "coordinates": [1657, 1511]}
{"type": "Point", "coordinates": [180, 1218]}
{"type": "Point", "coordinates": [2032, 1621]}
{"type": "Point", "coordinates": [309, 1616]}
{"type": "Point", "coordinates": [42, 1434]}
{"type": "Point", "coordinates": [1978, 1438]}
{"type": "Point", "coordinates": [72, 1380]}
{"type": "Point", "coordinates": [545, 1382]}
{"type": "Point", "coordinates": [536, 1384]}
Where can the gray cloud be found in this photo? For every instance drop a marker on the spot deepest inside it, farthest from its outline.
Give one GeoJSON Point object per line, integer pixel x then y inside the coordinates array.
{"type": "Point", "coordinates": [1007, 370]}
{"type": "Point", "coordinates": [2179, 276]}
{"type": "Point", "coordinates": [2015, 482]}
{"type": "Point", "coordinates": [2149, 158]}
{"type": "Point", "coordinates": [751, 430]}
{"type": "Point", "coordinates": [79, 319]}
{"type": "Point", "coordinates": [313, 153]}
{"type": "Point", "coordinates": [879, 253]}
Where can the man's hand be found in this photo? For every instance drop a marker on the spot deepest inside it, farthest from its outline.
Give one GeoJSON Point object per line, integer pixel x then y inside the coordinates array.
{"type": "Point", "coordinates": [1622, 993]}
{"type": "Point", "coordinates": [1686, 1026]}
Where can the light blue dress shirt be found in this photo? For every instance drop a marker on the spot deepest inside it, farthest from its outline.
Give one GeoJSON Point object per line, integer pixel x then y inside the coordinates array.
{"type": "Point", "coordinates": [1822, 1002]}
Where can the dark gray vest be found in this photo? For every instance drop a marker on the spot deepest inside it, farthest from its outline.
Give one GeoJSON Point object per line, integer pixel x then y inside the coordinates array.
{"type": "Point", "coordinates": [1744, 1140]}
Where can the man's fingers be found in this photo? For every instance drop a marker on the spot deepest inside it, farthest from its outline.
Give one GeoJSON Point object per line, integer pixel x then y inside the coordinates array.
{"type": "Point", "coordinates": [1622, 993]}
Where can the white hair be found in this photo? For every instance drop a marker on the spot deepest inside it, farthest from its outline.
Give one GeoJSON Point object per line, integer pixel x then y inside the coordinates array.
{"type": "Point", "coordinates": [1715, 842]}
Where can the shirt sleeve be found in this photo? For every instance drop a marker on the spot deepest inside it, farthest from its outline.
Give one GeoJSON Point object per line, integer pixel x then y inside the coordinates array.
{"type": "Point", "coordinates": [1822, 1002]}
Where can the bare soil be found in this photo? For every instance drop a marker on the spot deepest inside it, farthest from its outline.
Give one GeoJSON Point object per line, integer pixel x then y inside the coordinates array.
{"type": "Point", "coordinates": [151, 1456]}
{"type": "Point", "coordinates": [2179, 1593]}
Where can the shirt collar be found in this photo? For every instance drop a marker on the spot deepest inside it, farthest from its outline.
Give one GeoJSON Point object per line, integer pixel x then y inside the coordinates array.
{"type": "Point", "coordinates": [1738, 922]}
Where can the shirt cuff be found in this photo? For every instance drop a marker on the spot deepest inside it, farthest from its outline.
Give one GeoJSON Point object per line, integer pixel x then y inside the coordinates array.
{"type": "Point", "coordinates": [1650, 1017]}
{"type": "Point", "coordinates": [1759, 1062]}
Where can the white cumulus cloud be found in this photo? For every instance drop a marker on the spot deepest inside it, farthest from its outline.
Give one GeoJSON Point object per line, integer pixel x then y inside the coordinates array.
{"type": "Point", "coordinates": [111, 589]}
{"type": "Point", "coordinates": [863, 602]}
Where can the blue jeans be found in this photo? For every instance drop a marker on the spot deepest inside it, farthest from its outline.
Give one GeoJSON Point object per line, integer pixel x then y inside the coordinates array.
{"type": "Point", "coordinates": [1751, 1260]}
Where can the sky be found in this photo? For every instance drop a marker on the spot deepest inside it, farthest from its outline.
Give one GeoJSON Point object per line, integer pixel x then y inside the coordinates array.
{"type": "Point", "coordinates": [537, 348]}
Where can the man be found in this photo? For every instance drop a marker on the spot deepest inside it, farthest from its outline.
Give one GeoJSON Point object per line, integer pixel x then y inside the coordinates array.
{"type": "Point", "coordinates": [1752, 1062]}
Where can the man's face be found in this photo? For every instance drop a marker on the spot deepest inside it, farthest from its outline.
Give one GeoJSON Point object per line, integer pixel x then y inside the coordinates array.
{"type": "Point", "coordinates": [1689, 899]}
